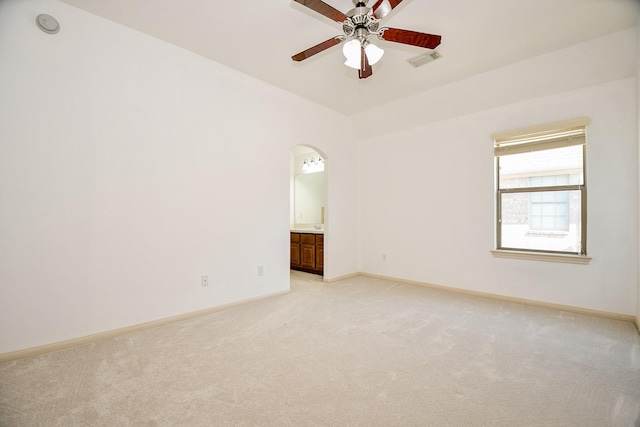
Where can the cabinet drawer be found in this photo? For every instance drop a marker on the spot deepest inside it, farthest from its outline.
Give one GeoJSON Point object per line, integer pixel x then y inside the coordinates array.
{"type": "Point", "coordinates": [320, 239]}
{"type": "Point", "coordinates": [295, 237]}
{"type": "Point", "coordinates": [308, 238]}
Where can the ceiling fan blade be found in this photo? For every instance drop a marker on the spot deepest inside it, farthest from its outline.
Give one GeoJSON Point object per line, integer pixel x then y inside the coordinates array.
{"type": "Point", "coordinates": [324, 9]}
{"type": "Point", "coordinates": [317, 48]}
{"type": "Point", "coordinates": [365, 68]}
{"type": "Point", "coordinates": [382, 7]}
{"type": "Point", "coordinates": [414, 38]}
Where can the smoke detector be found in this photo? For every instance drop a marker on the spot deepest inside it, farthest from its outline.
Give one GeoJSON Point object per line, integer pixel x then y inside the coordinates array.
{"type": "Point", "coordinates": [47, 23]}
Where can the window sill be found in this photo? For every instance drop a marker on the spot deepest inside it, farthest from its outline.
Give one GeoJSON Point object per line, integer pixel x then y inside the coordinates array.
{"type": "Point", "coordinates": [541, 256]}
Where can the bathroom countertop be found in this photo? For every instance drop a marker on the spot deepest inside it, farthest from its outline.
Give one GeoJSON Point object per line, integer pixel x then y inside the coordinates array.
{"type": "Point", "coordinates": [306, 230]}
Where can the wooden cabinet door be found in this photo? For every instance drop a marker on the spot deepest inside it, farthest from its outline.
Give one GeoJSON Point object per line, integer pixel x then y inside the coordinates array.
{"type": "Point", "coordinates": [295, 254]}
{"type": "Point", "coordinates": [320, 258]}
{"type": "Point", "coordinates": [320, 253]}
{"type": "Point", "coordinates": [295, 250]}
{"type": "Point", "coordinates": [308, 251]}
{"type": "Point", "coordinates": [308, 256]}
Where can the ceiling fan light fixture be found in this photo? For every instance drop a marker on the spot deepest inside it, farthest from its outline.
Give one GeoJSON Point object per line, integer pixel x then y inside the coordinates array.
{"type": "Point", "coordinates": [351, 51]}
{"type": "Point", "coordinates": [374, 53]}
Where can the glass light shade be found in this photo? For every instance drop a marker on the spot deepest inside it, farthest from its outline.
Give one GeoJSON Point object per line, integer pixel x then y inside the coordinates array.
{"type": "Point", "coordinates": [374, 53]}
{"type": "Point", "coordinates": [351, 51]}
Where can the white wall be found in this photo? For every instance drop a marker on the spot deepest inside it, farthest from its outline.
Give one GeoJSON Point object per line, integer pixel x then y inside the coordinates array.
{"type": "Point", "coordinates": [130, 167]}
{"type": "Point", "coordinates": [428, 197]}
{"type": "Point", "coordinates": [638, 122]}
{"type": "Point", "coordinates": [566, 69]}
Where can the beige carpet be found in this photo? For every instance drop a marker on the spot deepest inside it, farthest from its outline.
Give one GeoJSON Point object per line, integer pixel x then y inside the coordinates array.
{"type": "Point", "coordinates": [360, 352]}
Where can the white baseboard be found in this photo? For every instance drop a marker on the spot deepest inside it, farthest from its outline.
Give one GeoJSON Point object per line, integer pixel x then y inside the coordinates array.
{"type": "Point", "coordinates": [48, 348]}
{"type": "Point", "coordinates": [616, 316]}
{"type": "Point", "coordinates": [337, 279]}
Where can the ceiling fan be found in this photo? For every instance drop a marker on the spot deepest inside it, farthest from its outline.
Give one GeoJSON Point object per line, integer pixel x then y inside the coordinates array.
{"type": "Point", "coordinates": [358, 25]}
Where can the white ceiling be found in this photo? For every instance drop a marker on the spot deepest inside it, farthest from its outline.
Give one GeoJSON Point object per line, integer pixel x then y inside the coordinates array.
{"type": "Point", "coordinates": [259, 37]}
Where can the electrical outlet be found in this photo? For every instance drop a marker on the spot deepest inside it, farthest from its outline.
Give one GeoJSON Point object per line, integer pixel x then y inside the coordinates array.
{"type": "Point", "coordinates": [260, 270]}
{"type": "Point", "coordinates": [204, 281]}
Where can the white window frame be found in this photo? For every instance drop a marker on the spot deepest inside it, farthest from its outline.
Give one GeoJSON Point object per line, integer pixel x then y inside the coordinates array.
{"type": "Point", "coordinates": [540, 138]}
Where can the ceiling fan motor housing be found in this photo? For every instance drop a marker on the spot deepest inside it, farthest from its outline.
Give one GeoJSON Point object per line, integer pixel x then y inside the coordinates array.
{"type": "Point", "coordinates": [360, 23]}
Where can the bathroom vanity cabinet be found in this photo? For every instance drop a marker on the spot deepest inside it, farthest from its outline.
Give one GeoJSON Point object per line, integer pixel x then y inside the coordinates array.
{"type": "Point", "coordinates": [307, 252]}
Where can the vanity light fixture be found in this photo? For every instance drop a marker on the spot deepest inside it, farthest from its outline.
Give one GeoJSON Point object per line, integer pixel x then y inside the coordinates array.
{"type": "Point", "coordinates": [313, 165]}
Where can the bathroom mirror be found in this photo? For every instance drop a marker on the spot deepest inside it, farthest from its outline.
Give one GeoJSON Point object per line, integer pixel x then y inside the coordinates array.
{"type": "Point", "coordinates": [309, 198]}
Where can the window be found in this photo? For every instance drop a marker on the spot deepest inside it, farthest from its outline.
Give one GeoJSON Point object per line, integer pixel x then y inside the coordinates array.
{"type": "Point", "coordinates": [549, 211]}
{"type": "Point", "coordinates": [541, 188]}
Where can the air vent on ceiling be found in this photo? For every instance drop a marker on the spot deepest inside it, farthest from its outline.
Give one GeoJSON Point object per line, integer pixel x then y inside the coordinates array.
{"type": "Point", "coordinates": [421, 60]}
